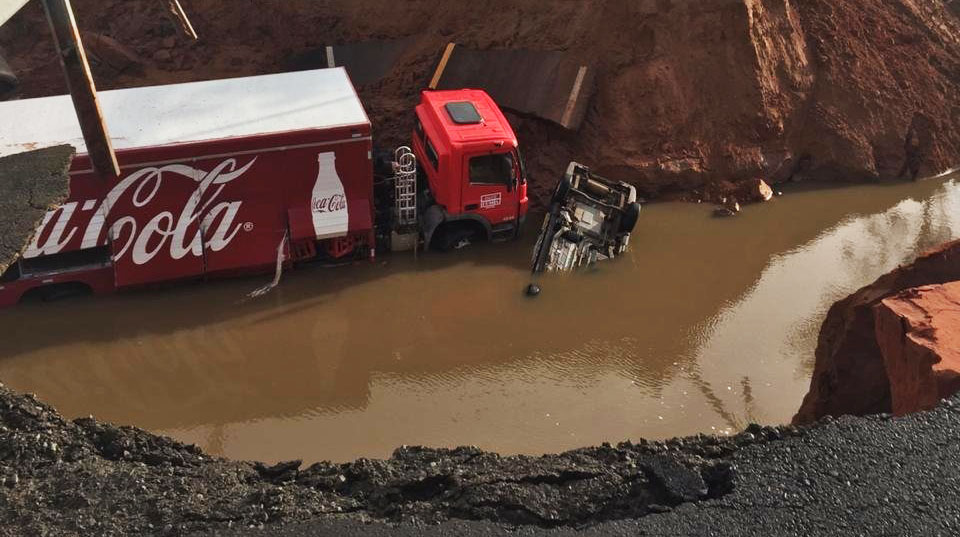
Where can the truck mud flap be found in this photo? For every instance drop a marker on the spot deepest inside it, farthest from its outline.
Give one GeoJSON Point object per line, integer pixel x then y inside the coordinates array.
{"type": "Point", "coordinates": [432, 218]}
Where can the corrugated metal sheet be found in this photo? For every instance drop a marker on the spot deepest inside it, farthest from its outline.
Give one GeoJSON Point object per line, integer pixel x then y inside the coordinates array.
{"type": "Point", "coordinates": [546, 84]}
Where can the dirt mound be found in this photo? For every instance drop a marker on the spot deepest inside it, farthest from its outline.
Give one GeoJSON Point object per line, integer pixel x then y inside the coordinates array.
{"type": "Point", "coordinates": [688, 93]}
{"type": "Point", "coordinates": [849, 375]}
{"type": "Point", "coordinates": [772, 88]}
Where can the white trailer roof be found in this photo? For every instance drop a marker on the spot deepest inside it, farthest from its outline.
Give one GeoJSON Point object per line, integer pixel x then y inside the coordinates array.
{"type": "Point", "coordinates": [191, 112]}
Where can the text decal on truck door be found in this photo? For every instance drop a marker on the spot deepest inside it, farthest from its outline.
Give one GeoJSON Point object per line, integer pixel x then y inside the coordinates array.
{"type": "Point", "coordinates": [489, 201]}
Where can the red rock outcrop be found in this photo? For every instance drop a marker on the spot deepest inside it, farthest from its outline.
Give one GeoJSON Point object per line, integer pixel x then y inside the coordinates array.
{"type": "Point", "coordinates": [918, 332]}
{"type": "Point", "coordinates": [849, 375]}
{"type": "Point", "coordinates": [689, 93]}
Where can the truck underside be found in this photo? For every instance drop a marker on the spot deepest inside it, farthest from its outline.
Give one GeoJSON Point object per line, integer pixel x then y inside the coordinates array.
{"type": "Point", "coordinates": [590, 219]}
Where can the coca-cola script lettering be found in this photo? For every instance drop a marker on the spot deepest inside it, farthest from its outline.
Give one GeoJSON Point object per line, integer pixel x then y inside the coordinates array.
{"type": "Point", "coordinates": [145, 238]}
{"type": "Point", "coordinates": [332, 204]}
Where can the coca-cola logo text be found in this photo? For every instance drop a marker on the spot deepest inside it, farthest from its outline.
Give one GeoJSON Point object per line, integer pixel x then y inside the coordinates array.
{"type": "Point", "coordinates": [143, 238]}
{"type": "Point", "coordinates": [332, 204]}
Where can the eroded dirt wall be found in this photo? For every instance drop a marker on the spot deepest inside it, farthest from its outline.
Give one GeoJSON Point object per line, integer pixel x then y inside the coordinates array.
{"type": "Point", "coordinates": [690, 94]}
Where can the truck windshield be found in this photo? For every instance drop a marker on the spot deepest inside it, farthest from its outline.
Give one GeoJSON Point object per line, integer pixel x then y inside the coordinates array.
{"type": "Point", "coordinates": [495, 169]}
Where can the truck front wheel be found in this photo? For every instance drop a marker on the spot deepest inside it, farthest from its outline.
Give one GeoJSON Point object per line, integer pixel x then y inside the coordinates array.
{"type": "Point", "coordinates": [451, 238]}
{"type": "Point", "coordinates": [57, 292]}
{"type": "Point", "coordinates": [629, 219]}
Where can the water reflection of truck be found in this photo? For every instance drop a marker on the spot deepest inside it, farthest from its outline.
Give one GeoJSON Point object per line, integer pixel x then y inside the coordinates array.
{"type": "Point", "coordinates": [229, 176]}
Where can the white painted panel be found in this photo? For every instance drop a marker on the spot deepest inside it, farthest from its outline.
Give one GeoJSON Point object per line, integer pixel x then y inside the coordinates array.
{"type": "Point", "coordinates": [328, 204]}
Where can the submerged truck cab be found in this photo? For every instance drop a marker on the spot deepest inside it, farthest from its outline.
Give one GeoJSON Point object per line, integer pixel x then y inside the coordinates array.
{"type": "Point", "coordinates": [472, 179]}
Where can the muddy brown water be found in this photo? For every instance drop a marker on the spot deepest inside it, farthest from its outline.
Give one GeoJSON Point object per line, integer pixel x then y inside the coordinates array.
{"type": "Point", "coordinates": [705, 326]}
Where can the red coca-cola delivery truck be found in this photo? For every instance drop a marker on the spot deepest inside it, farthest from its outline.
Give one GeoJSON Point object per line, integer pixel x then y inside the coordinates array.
{"type": "Point", "coordinates": [231, 176]}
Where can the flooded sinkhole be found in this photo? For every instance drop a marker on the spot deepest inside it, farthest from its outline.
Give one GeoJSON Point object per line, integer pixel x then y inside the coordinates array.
{"type": "Point", "coordinates": [705, 326]}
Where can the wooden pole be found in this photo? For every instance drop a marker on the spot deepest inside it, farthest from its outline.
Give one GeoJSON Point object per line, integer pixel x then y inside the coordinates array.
{"type": "Point", "coordinates": [180, 17]}
{"type": "Point", "coordinates": [73, 59]}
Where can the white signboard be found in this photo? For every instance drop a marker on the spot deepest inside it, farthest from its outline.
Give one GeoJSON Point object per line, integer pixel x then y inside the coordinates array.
{"type": "Point", "coordinates": [489, 201]}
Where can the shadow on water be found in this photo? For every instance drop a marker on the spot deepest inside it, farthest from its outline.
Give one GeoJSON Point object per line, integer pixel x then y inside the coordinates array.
{"type": "Point", "coordinates": [706, 324]}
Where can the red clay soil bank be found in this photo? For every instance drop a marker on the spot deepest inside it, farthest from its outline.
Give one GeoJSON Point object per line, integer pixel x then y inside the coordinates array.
{"type": "Point", "coordinates": [918, 332]}
{"type": "Point", "coordinates": [850, 376]}
{"type": "Point", "coordinates": [691, 95]}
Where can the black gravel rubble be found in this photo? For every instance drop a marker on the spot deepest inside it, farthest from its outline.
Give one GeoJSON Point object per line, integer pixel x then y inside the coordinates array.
{"type": "Point", "coordinates": [84, 476]}
{"type": "Point", "coordinates": [868, 476]}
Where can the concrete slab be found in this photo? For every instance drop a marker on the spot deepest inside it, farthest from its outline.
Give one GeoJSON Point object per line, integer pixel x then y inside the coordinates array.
{"type": "Point", "coordinates": [30, 183]}
{"type": "Point", "coordinates": [546, 84]}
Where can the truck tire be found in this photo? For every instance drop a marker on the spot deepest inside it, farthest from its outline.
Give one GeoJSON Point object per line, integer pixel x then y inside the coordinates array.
{"type": "Point", "coordinates": [453, 237]}
{"type": "Point", "coordinates": [541, 251]}
{"type": "Point", "coordinates": [56, 292]}
{"type": "Point", "coordinates": [64, 291]}
{"type": "Point", "coordinates": [629, 219]}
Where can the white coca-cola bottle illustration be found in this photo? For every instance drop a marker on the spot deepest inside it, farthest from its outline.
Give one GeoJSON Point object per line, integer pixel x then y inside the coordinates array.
{"type": "Point", "coordinates": [328, 204]}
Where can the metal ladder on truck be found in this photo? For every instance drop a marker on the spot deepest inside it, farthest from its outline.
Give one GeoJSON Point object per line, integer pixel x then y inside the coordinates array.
{"type": "Point", "coordinates": [405, 183]}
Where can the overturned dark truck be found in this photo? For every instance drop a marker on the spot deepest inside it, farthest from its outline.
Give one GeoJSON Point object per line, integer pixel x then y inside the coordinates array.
{"type": "Point", "coordinates": [590, 219]}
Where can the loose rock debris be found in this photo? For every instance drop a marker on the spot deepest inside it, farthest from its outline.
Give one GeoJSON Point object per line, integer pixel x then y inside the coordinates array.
{"type": "Point", "coordinates": [86, 476]}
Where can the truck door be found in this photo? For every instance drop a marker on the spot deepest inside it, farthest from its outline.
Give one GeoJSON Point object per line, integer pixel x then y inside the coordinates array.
{"type": "Point", "coordinates": [490, 186]}
{"type": "Point", "coordinates": [243, 235]}
{"type": "Point", "coordinates": [154, 231]}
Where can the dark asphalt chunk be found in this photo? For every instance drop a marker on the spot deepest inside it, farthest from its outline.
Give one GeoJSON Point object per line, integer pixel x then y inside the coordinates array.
{"type": "Point", "coordinates": [30, 184]}
{"type": "Point", "coordinates": [853, 476]}
{"type": "Point", "coordinates": [679, 483]}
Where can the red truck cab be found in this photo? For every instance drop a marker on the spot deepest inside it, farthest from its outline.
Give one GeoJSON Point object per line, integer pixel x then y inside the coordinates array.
{"type": "Point", "coordinates": [470, 162]}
